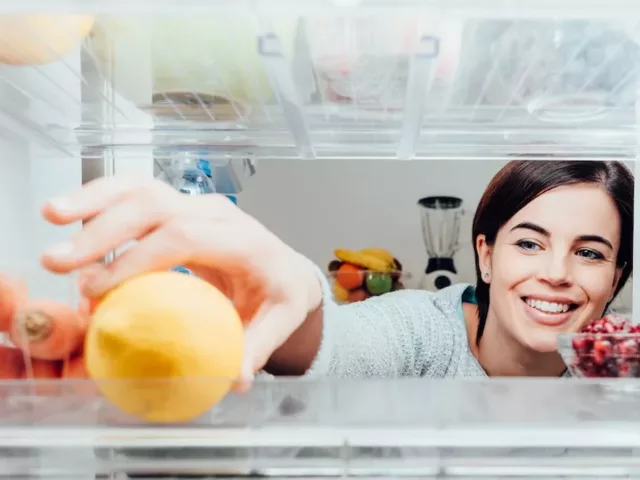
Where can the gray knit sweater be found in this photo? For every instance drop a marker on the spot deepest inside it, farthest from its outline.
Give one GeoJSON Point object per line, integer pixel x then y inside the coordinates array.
{"type": "Point", "coordinates": [408, 333]}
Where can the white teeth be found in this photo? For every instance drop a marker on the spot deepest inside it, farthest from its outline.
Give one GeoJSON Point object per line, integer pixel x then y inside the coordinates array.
{"type": "Point", "coordinates": [548, 307]}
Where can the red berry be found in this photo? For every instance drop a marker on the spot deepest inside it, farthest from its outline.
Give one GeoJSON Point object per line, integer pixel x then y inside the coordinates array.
{"type": "Point", "coordinates": [624, 369]}
{"type": "Point", "coordinates": [601, 351]}
{"type": "Point", "coordinates": [581, 344]}
{"type": "Point", "coordinates": [627, 347]}
{"type": "Point", "coordinates": [609, 324]}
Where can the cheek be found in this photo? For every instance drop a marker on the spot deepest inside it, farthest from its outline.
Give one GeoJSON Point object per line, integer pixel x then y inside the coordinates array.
{"type": "Point", "coordinates": [596, 282]}
{"type": "Point", "coordinates": [510, 267]}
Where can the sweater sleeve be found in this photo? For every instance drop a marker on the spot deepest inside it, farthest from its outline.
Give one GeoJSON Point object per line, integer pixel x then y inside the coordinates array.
{"type": "Point", "coordinates": [402, 333]}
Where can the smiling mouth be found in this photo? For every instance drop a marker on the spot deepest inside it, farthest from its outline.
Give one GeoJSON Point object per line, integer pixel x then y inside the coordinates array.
{"type": "Point", "coordinates": [549, 308]}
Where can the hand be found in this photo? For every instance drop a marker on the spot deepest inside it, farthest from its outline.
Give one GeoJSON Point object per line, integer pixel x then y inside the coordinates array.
{"type": "Point", "coordinates": [272, 286]}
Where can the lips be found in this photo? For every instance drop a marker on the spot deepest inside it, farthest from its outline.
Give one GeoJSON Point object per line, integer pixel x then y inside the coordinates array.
{"type": "Point", "coordinates": [550, 312]}
{"type": "Point", "coordinates": [548, 307]}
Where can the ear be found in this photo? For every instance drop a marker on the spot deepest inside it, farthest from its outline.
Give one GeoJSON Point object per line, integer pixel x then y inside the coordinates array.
{"type": "Point", "coordinates": [484, 257]}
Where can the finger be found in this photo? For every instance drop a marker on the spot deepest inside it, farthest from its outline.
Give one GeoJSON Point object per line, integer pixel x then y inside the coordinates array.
{"type": "Point", "coordinates": [270, 328]}
{"type": "Point", "coordinates": [156, 251]}
{"type": "Point", "coordinates": [93, 198]}
{"type": "Point", "coordinates": [243, 384]}
{"type": "Point", "coordinates": [87, 305]}
{"type": "Point", "coordinates": [261, 340]}
{"type": "Point", "coordinates": [127, 221]}
{"type": "Point", "coordinates": [86, 273]}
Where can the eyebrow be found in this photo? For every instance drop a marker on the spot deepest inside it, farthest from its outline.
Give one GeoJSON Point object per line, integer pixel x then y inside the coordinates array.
{"type": "Point", "coordinates": [543, 231]}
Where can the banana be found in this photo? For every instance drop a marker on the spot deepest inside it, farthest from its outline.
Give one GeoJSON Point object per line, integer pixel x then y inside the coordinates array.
{"type": "Point", "coordinates": [363, 260]}
{"type": "Point", "coordinates": [380, 253]}
{"type": "Point", "coordinates": [341, 294]}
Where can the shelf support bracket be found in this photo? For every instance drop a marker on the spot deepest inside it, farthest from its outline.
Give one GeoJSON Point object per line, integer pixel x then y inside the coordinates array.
{"type": "Point", "coordinates": [279, 70]}
{"type": "Point", "coordinates": [421, 73]}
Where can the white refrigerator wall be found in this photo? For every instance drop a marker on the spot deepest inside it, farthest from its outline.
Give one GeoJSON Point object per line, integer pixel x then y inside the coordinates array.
{"type": "Point", "coordinates": [319, 206]}
{"type": "Point", "coordinates": [32, 169]}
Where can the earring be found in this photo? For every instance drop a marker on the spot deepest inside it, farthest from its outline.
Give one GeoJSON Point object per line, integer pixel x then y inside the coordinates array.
{"type": "Point", "coordinates": [486, 275]}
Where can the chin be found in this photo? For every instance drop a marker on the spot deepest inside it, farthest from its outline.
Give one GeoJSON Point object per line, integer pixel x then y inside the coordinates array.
{"type": "Point", "coordinates": [541, 340]}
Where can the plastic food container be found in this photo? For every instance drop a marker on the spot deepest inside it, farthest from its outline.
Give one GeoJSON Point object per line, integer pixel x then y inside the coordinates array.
{"type": "Point", "coordinates": [365, 61]}
{"type": "Point", "coordinates": [601, 355]}
{"type": "Point", "coordinates": [555, 68]}
{"type": "Point", "coordinates": [356, 286]}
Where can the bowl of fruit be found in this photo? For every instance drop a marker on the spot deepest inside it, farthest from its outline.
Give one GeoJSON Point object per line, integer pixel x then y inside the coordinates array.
{"type": "Point", "coordinates": [360, 274]}
{"type": "Point", "coordinates": [605, 348]}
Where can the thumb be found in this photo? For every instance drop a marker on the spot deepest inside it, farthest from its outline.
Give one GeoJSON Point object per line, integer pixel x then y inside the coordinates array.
{"type": "Point", "coordinates": [268, 330]}
{"type": "Point", "coordinates": [244, 382]}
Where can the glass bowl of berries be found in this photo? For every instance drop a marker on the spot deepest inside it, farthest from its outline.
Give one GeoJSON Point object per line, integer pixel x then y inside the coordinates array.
{"type": "Point", "coordinates": [605, 348]}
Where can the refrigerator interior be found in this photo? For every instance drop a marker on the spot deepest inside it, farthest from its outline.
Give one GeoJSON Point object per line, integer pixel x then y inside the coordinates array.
{"type": "Point", "coordinates": [91, 88]}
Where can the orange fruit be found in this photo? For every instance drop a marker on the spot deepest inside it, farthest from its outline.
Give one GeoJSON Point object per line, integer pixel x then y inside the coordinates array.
{"type": "Point", "coordinates": [350, 276]}
{"type": "Point", "coordinates": [38, 39]}
{"type": "Point", "coordinates": [164, 346]}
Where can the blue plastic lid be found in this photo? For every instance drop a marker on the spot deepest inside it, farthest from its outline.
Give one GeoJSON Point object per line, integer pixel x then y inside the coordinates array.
{"type": "Point", "coordinates": [182, 270]}
{"type": "Point", "coordinates": [205, 166]}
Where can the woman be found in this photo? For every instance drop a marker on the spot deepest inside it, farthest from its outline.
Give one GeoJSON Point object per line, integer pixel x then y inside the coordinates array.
{"type": "Point", "coordinates": [553, 243]}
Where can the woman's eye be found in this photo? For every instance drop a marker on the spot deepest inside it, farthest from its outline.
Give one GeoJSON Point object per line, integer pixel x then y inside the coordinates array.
{"type": "Point", "coordinates": [528, 245]}
{"type": "Point", "coordinates": [590, 254]}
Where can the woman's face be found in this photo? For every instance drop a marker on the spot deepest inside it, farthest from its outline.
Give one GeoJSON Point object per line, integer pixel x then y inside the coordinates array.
{"type": "Point", "coordinates": [553, 268]}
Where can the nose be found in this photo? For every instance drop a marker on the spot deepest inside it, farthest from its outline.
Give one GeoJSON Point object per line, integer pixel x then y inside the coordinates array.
{"type": "Point", "coordinates": [556, 270]}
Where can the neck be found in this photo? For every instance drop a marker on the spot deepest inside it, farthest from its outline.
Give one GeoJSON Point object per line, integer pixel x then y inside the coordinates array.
{"type": "Point", "coordinates": [501, 356]}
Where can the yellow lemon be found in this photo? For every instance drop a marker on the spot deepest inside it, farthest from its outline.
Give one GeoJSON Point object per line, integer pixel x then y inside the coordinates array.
{"type": "Point", "coordinates": [164, 347]}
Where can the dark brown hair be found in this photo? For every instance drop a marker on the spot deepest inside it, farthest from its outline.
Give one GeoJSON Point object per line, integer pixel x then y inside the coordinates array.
{"type": "Point", "coordinates": [521, 181]}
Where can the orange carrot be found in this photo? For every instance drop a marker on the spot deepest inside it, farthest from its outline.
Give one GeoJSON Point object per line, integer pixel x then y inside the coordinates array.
{"type": "Point", "coordinates": [11, 363]}
{"type": "Point", "coordinates": [13, 367]}
{"type": "Point", "coordinates": [48, 330]}
{"type": "Point", "coordinates": [74, 368]}
{"type": "Point", "coordinates": [44, 369]}
{"type": "Point", "coordinates": [11, 293]}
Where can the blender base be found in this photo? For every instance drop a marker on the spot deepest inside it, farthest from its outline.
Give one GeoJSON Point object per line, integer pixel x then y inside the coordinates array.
{"type": "Point", "coordinates": [440, 273]}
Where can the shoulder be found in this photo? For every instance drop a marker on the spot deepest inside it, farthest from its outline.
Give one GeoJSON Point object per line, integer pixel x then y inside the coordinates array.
{"type": "Point", "coordinates": [427, 324]}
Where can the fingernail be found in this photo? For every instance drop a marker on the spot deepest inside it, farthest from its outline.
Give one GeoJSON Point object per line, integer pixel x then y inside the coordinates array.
{"type": "Point", "coordinates": [246, 372]}
{"type": "Point", "coordinates": [61, 250]}
{"type": "Point", "coordinates": [61, 204]}
{"type": "Point", "coordinates": [248, 377]}
{"type": "Point", "coordinates": [241, 387]}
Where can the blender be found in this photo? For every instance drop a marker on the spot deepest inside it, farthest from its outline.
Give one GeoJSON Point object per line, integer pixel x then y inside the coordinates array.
{"type": "Point", "coordinates": [440, 218]}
